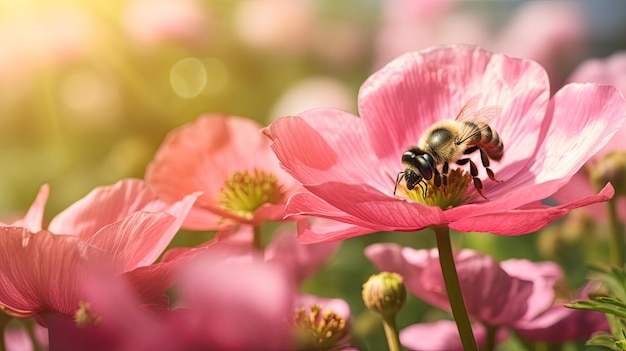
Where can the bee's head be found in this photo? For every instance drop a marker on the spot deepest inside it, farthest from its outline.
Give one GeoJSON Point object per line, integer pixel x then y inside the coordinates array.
{"type": "Point", "coordinates": [418, 164]}
{"type": "Point", "coordinates": [412, 178]}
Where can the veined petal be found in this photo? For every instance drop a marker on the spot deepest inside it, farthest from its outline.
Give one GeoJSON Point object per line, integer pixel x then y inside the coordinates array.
{"type": "Point", "coordinates": [384, 212]}
{"type": "Point", "coordinates": [104, 205]}
{"type": "Point", "coordinates": [527, 219]}
{"type": "Point", "coordinates": [326, 145]}
{"type": "Point", "coordinates": [40, 271]}
{"type": "Point", "coordinates": [399, 102]}
{"type": "Point", "coordinates": [136, 240]}
{"type": "Point", "coordinates": [323, 230]}
{"type": "Point", "coordinates": [569, 142]}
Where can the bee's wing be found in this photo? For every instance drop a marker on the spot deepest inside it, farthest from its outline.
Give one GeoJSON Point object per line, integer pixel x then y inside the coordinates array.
{"type": "Point", "coordinates": [480, 117]}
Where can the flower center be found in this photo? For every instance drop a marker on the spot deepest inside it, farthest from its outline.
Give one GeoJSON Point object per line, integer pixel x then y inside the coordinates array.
{"type": "Point", "coordinates": [452, 195]}
{"type": "Point", "coordinates": [245, 192]}
{"type": "Point", "coordinates": [319, 331]}
{"type": "Point", "coordinates": [85, 315]}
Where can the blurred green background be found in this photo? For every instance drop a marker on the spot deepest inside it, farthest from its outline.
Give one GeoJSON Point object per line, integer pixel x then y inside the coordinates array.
{"type": "Point", "coordinates": [88, 90]}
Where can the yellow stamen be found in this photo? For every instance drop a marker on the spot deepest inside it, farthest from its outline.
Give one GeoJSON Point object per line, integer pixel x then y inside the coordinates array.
{"type": "Point", "coordinates": [452, 195]}
{"type": "Point", "coordinates": [317, 330]}
{"type": "Point", "coordinates": [244, 192]}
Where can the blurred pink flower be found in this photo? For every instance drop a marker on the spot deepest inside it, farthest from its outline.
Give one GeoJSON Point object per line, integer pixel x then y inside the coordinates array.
{"type": "Point", "coordinates": [300, 261]}
{"type": "Point", "coordinates": [441, 336]}
{"type": "Point", "coordinates": [156, 21]}
{"type": "Point", "coordinates": [276, 26]}
{"type": "Point", "coordinates": [230, 162]}
{"type": "Point", "coordinates": [612, 71]}
{"type": "Point", "coordinates": [560, 324]}
{"type": "Point", "coordinates": [348, 164]}
{"type": "Point", "coordinates": [553, 33]}
{"type": "Point", "coordinates": [214, 310]}
{"type": "Point", "coordinates": [124, 225]}
{"type": "Point", "coordinates": [496, 294]}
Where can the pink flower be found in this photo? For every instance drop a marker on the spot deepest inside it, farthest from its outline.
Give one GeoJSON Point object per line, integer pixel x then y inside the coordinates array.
{"type": "Point", "coordinates": [214, 310]}
{"type": "Point", "coordinates": [349, 164]}
{"type": "Point", "coordinates": [124, 226]}
{"type": "Point", "coordinates": [33, 218]}
{"type": "Point", "coordinates": [496, 294]}
{"type": "Point", "coordinates": [611, 70]}
{"type": "Point", "coordinates": [230, 162]}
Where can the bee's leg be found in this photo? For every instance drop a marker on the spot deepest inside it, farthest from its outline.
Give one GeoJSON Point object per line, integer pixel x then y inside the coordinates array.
{"type": "Point", "coordinates": [444, 174]}
{"type": "Point", "coordinates": [398, 180]}
{"type": "Point", "coordinates": [478, 184]}
{"type": "Point", "coordinates": [436, 178]}
{"type": "Point", "coordinates": [423, 187]}
{"type": "Point", "coordinates": [485, 160]}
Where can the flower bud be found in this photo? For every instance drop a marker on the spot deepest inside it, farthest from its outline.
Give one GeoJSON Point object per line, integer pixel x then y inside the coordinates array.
{"type": "Point", "coordinates": [384, 293]}
{"type": "Point", "coordinates": [610, 168]}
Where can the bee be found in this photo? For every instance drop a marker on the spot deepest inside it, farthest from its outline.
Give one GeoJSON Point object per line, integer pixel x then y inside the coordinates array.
{"type": "Point", "coordinates": [452, 141]}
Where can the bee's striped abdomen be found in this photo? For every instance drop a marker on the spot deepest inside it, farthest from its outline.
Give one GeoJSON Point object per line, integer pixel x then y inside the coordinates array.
{"type": "Point", "coordinates": [491, 143]}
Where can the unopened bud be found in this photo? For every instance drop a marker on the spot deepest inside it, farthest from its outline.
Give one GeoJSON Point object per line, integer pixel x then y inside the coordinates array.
{"type": "Point", "coordinates": [384, 293]}
{"type": "Point", "coordinates": [610, 168]}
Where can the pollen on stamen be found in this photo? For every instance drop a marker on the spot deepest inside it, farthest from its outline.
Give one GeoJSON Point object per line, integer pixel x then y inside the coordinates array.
{"type": "Point", "coordinates": [85, 316]}
{"type": "Point", "coordinates": [318, 330]}
{"type": "Point", "coordinates": [454, 194]}
{"type": "Point", "coordinates": [244, 192]}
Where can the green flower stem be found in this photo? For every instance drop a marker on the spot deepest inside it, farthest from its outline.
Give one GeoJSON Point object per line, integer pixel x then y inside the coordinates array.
{"type": "Point", "coordinates": [391, 332]}
{"type": "Point", "coordinates": [256, 239]}
{"type": "Point", "coordinates": [616, 246]}
{"type": "Point", "coordinates": [4, 321]}
{"type": "Point", "coordinates": [491, 337]}
{"type": "Point", "coordinates": [453, 288]}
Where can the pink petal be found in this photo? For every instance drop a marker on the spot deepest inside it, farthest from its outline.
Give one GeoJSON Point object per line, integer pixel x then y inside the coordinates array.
{"type": "Point", "coordinates": [570, 142]}
{"type": "Point", "coordinates": [17, 339]}
{"type": "Point", "coordinates": [338, 306]}
{"type": "Point", "coordinates": [299, 259]}
{"type": "Point", "coordinates": [136, 240]}
{"type": "Point", "coordinates": [107, 204]}
{"type": "Point", "coordinates": [560, 324]}
{"type": "Point", "coordinates": [322, 230]}
{"type": "Point", "coordinates": [399, 102]}
{"type": "Point", "coordinates": [544, 276]}
{"type": "Point", "coordinates": [40, 271]}
{"type": "Point", "coordinates": [225, 314]}
{"type": "Point", "coordinates": [438, 336]}
{"type": "Point", "coordinates": [326, 145]}
{"type": "Point", "coordinates": [380, 210]}
{"type": "Point", "coordinates": [34, 217]}
{"type": "Point", "coordinates": [527, 219]}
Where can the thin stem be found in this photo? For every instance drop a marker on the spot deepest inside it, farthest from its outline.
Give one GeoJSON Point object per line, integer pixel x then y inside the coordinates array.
{"type": "Point", "coordinates": [616, 246]}
{"type": "Point", "coordinates": [453, 288]}
{"type": "Point", "coordinates": [491, 337]}
{"type": "Point", "coordinates": [256, 239]}
{"type": "Point", "coordinates": [4, 321]}
{"type": "Point", "coordinates": [391, 332]}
